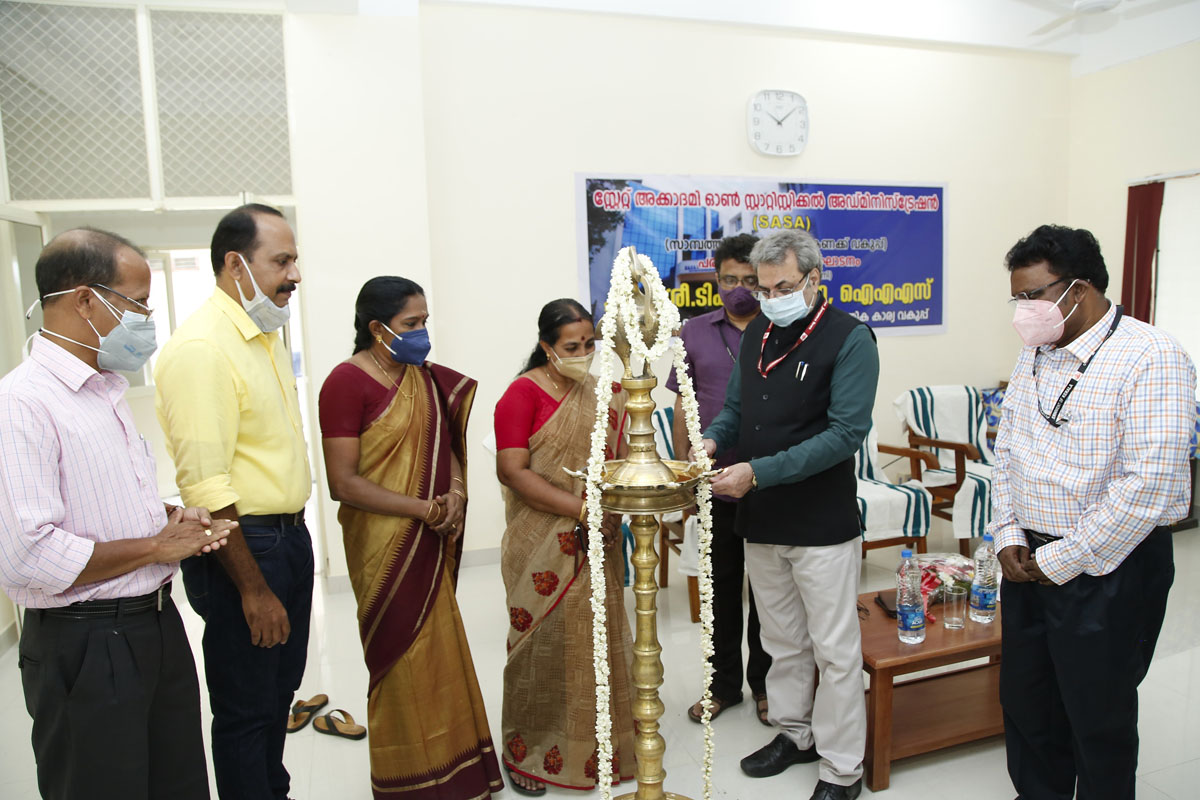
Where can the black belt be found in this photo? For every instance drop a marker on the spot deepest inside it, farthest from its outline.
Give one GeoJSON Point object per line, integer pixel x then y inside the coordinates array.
{"type": "Point", "coordinates": [272, 520]}
{"type": "Point", "coordinates": [1037, 539]}
{"type": "Point", "coordinates": [124, 606]}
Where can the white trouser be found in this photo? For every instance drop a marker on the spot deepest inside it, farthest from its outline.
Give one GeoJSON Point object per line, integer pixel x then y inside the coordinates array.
{"type": "Point", "coordinates": [807, 605]}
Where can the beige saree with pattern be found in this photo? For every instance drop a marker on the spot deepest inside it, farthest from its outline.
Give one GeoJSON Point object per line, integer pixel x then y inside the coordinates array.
{"type": "Point", "coordinates": [549, 717]}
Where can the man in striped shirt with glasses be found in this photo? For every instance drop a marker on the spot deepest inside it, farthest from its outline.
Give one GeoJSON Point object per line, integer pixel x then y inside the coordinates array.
{"type": "Point", "coordinates": [1091, 468]}
{"type": "Point", "coordinates": [87, 546]}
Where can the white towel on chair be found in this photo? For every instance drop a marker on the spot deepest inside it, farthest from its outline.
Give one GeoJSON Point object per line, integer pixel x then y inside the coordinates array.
{"type": "Point", "coordinates": [954, 413]}
{"type": "Point", "coordinates": [689, 551]}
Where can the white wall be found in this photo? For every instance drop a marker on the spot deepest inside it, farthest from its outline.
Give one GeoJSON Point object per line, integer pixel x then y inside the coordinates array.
{"type": "Point", "coordinates": [455, 135]}
{"type": "Point", "coordinates": [354, 96]}
{"type": "Point", "coordinates": [517, 102]}
{"type": "Point", "coordinates": [1127, 123]}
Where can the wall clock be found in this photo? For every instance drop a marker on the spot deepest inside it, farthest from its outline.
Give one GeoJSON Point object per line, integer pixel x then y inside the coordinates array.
{"type": "Point", "coordinates": [777, 122]}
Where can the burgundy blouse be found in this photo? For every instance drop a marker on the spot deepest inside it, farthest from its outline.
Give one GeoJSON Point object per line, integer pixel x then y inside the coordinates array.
{"type": "Point", "coordinates": [350, 399]}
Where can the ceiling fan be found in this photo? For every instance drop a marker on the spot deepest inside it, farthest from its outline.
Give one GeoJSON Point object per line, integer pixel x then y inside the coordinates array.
{"type": "Point", "coordinates": [1080, 9]}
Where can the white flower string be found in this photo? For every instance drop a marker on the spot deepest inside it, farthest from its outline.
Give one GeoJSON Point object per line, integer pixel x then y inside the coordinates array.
{"type": "Point", "coordinates": [622, 308]}
{"type": "Point", "coordinates": [595, 518]}
{"type": "Point", "coordinates": [691, 415]}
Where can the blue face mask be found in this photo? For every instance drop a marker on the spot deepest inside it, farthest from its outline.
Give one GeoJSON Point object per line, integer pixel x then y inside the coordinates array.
{"type": "Point", "coordinates": [411, 348]}
{"type": "Point", "coordinates": [127, 347]}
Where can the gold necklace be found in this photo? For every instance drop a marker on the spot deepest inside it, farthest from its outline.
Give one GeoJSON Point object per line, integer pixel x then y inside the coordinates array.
{"type": "Point", "coordinates": [552, 383]}
{"type": "Point", "coordinates": [408, 396]}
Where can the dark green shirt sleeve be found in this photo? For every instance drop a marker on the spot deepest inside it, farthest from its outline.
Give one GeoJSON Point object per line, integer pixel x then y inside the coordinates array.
{"type": "Point", "coordinates": [724, 429]}
{"type": "Point", "coordinates": [852, 398]}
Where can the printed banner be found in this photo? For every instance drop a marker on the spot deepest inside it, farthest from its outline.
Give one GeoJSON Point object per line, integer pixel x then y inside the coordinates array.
{"type": "Point", "coordinates": [882, 245]}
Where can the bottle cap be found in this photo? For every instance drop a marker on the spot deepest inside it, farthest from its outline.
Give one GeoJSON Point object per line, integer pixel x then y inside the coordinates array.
{"type": "Point", "coordinates": [906, 553]}
{"type": "Point", "coordinates": [987, 537]}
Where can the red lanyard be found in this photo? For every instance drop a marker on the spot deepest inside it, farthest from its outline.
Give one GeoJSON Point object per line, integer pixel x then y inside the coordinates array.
{"type": "Point", "coordinates": [770, 327]}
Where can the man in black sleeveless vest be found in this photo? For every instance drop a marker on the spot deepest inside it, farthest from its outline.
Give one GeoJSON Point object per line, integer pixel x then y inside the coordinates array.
{"type": "Point", "coordinates": [797, 407]}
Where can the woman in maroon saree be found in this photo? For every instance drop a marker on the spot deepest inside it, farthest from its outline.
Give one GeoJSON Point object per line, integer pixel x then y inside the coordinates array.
{"type": "Point", "coordinates": [393, 428]}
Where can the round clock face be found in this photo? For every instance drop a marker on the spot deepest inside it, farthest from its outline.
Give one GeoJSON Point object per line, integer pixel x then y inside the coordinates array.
{"type": "Point", "coordinates": [777, 122]}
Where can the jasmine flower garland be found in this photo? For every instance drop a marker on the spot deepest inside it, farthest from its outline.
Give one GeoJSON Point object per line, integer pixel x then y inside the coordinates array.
{"type": "Point", "coordinates": [622, 309]}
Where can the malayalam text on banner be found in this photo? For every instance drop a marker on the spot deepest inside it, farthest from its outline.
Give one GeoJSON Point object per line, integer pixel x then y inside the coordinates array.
{"type": "Point", "coordinates": [883, 245]}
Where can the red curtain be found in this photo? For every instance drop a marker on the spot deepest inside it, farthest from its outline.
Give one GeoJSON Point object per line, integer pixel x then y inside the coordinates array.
{"type": "Point", "coordinates": [1141, 243]}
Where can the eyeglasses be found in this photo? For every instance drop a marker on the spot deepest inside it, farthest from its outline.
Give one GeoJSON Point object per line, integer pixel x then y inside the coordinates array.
{"type": "Point", "coordinates": [147, 310]}
{"type": "Point", "coordinates": [767, 294]}
{"type": "Point", "coordinates": [1035, 294]}
{"type": "Point", "coordinates": [730, 281]}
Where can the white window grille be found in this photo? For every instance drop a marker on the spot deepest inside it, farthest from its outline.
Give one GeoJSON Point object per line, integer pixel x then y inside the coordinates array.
{"type": "Point", "coordinates": [128, 107]}
{"type": "Point", "coordinates": [222, 103]}
{"type": "Point", "coordinates": [71, 102]}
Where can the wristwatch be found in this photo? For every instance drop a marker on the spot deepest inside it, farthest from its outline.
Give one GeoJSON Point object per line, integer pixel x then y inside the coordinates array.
{"type": "Point", "coordinates": [753, 478]}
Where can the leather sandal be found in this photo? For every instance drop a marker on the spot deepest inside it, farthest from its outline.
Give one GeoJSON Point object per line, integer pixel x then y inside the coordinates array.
{"type": "Point", "coordinates": [761, 708]}
{"type": "Point", "coordinates": [303, 711]}
{"type": "Point", "coordinates": [518, 788]}
{"type": "Point", "coordinates": [696, 712]}
{"type": "Point", "coordinates": [344, 727]}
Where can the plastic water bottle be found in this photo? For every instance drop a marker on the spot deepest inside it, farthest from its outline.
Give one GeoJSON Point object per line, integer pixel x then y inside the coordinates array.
{"type": "Point", "coordinates": [910, 609]}
{"type": "Point", "coordinates": [983, 587]}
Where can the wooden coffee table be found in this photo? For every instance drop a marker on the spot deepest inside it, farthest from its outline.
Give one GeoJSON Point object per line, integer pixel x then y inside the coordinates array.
{"type": "Point", "coordinates": [933, 712]}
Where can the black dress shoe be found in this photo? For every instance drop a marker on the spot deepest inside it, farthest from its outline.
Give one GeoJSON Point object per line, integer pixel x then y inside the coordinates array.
{"type": "Point", "coordinates": [832, 791]}
{"type": "Point", "coordinates": [773, 759]}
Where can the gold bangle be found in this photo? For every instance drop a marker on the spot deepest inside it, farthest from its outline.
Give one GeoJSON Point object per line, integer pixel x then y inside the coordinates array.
{"type": "Point", "coordinates": [583, 513]}
{"type": "Point", "coordinates": [456, 478]}
{"type": "Point", "coordinates": [460, 494]}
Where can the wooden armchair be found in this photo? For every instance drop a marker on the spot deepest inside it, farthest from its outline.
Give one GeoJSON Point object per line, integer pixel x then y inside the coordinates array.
{"type": "Point", "coordinates": [891, 514]}
{"type": "Point", "coordinates": [951, 422]}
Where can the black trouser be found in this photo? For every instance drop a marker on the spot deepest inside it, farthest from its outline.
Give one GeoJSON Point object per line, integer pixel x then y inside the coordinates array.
{"type": "Point", "coordinates": [115, 706]}
{"type": "Point", "coordinates": [728, 560]}
{"type": "Point", "coordinates": [250, 688]}
{"type": "Point", "coordinates": [1073, 658]}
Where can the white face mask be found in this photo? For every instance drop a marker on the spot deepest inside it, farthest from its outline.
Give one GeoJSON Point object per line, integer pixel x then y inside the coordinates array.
{"type": "Point", "coordinates": [127, 347]}
{"type": "Point", "coordinates": [783, 311]}
{"type": "Point", "coordinates": [260, 308]}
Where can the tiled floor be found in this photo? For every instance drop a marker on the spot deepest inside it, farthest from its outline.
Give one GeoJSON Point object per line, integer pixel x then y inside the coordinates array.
{"type": "Point", "coordinates": [326, 767]}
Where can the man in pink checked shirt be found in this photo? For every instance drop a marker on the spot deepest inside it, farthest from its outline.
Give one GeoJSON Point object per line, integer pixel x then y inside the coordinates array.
{"type": "Point", "coordinates": [87, 546]}
{"type": "Point", "coordinates": [1091, 468]}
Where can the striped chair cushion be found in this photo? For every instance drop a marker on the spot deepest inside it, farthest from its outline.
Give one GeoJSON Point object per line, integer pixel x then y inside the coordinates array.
{"type": "Point", "coordinates": [955, 413]}
{"type": "Point", "coordinates": [887, 510]}
{"type": "Point", "coordinates": [972, 502]}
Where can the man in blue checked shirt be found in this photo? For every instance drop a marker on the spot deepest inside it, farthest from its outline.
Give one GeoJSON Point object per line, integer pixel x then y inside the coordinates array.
{"type": "Point", "coordinates": [1091, 468]}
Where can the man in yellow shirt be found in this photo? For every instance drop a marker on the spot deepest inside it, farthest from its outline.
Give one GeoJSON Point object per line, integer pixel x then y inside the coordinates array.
{"type": "Point", "coordinates": [226, 399]}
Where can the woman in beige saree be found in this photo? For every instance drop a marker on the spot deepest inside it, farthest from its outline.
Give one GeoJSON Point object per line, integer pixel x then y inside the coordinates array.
{"type": "Point", "coordinates": [543, 423]}
{"type": "Point", "coordinates": [393, 428]}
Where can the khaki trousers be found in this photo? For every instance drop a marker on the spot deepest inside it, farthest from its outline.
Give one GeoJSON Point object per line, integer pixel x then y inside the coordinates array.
{"type": "Point", "coordinates": [807, 606]}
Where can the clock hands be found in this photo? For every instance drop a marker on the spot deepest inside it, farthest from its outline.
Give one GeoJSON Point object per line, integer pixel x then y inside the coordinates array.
{"type": "Point", "coordinates": [779, 120]}
{"type": "Point", "coordinates": [785, 116]}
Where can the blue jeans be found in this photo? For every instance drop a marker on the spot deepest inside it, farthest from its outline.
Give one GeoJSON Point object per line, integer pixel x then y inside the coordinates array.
{"type": "Point", "coordinates": [250, 689]}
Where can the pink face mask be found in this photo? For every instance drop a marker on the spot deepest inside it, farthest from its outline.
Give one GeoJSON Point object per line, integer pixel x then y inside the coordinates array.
{"type": "Point", "coordinates": [1040, 322]}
